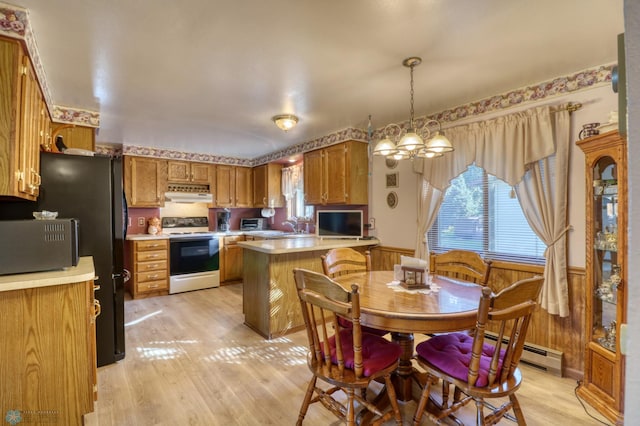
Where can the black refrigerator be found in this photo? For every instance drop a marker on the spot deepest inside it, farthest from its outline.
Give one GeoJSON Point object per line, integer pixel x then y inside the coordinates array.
{"type": "Point", "coordinates": [90, 190]}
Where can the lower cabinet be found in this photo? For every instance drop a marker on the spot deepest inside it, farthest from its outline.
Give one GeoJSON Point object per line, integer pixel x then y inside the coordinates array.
{"type": "Point", "coordinates": [150, 263]}
{"type": "Point", "coordinates": [231, 258]}
{"type": "Point", "coordinates": [48, 367]}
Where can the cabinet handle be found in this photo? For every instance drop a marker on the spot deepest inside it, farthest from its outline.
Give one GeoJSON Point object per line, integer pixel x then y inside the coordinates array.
{"type": "Point", "coordinates": [96, 287]}
{"type": "Point", "coordinates": [153, 286]}
{"type": "Point", "coordinates": [97, 308]}
{"type": "Point", "coordinates": [264, 201]}
{"type": "Point", "coordinates": [154, 276]}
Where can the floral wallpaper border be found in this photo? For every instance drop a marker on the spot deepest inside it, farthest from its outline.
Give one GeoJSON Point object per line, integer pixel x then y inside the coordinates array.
{"type": "Point", "coordinates": [14, 23]}
{"type": "Point", "coordinates": [559, 86]}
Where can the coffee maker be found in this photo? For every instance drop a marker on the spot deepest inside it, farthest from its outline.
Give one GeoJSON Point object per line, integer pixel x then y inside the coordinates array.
{"type": "Point", "coordinates": [224, 219]}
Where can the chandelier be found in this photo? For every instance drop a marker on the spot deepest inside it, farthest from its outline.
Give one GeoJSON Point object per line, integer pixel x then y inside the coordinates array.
{"type": "Point", "coordinates": [412, 144]}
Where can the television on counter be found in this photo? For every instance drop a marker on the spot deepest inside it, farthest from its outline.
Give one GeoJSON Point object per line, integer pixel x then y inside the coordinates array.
{"type": "Point", "coordinates": [339, 224]}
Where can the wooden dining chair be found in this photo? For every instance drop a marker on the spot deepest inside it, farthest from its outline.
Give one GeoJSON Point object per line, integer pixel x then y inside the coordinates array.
{"type": "Point", "coordinates": [464, 265]}
{"type": "Point", "coordinates": [346, 359]}
{"type": "Point", "coordinates": [342, 261]}
{"type": "Point", "coordinates": [481, 368]}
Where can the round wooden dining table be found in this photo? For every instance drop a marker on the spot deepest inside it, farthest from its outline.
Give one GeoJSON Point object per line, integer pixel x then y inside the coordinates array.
{"type": "Point", "coordinates": [452, 307]}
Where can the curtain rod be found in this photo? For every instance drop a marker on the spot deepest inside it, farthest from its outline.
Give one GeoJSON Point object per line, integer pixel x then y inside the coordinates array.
{"type": "Point", "coordinates": [571, 107]}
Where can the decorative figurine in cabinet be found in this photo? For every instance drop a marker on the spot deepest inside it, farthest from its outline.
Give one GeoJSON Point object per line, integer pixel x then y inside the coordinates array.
{"type": "Point", "coordinates": [606, 249]}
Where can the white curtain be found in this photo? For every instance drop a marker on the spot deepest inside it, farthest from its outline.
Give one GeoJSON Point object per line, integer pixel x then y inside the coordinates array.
{"type": "Point", "coordinates": [428, 207]}
{"type": "Point", "coordinates": [509, 148]}
{"type": "Point", "coordinates": [542, 193]}
{"type": "Point", "coordinates": [292, 183]}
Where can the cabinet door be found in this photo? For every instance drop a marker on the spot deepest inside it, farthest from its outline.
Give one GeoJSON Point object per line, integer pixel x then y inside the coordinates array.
{"type": "Point", "coordinates": [200, 173]}
{"type": "Point", "coordinates": [225, 186]}
{"type": "Point", "coordinates": [232, 262]}
{"type": "Point", "coordinates": [178, 171]}
{"type": "Point", "coordinates": [313, 177]}
{"type": "Point", "coordinates": [336, 174]}
{"type": "Point", "coordinates": [243, 184]}
{"type": "Point", "coordinates": [267, 186]}
{"type": "Point", "coordinates": [145, 181]}
{"type": "Point", "coordinates": [260, 186]}
{"type": "Point", "coordinates": [28, 141]}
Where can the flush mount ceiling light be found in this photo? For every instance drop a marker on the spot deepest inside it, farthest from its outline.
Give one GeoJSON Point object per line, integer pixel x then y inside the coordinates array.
{"type": "Point", "coordinates": [285, 121]}
{"type": "Point", "coordinates": [400, 144]}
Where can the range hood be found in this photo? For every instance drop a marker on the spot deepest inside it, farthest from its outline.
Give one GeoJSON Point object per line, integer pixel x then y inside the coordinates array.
{"type": "Point", "coordinates": [188, 197]}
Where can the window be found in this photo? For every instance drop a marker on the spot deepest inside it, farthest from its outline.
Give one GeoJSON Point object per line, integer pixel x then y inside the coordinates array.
{"type": "Point", "coordinates": [481, 213]}
{"type": "Point", "coordinates": [293, 189]}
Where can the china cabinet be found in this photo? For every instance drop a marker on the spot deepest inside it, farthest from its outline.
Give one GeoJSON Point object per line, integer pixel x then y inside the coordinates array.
{"type": "Point", "coordinates": [606, 249]}
{"type": "Point", "coordinates": [337, 174]}
{"type": "Point", "coordinates": [267, 186]}
{"type": "Point", "coordinates": [145, 181]}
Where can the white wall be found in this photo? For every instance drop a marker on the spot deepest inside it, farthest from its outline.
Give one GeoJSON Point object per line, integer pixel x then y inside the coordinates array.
{"type": "Point", "coordinates": [397, 227]}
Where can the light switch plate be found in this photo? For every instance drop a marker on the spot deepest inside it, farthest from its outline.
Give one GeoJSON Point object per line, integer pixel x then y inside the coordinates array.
{"type": "Point", "coordinates": [141, 221]}
{"type": "Point", "coordinates": [623, 339]}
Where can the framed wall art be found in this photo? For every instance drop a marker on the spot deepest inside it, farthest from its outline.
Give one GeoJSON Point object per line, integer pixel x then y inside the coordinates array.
{"type": "Point", "coordinates": [392, 180]}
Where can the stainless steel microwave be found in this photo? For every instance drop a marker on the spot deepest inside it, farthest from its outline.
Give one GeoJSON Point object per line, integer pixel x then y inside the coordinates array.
{"type": "Point", "coordinates": [38, 245]}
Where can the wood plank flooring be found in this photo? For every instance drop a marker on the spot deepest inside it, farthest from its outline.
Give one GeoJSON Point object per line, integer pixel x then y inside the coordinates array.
{"type": "Point", "coordinates": [191, 361]}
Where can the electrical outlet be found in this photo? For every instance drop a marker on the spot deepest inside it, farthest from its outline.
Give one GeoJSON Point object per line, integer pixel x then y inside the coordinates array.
{"type": "Point", "coordinates": [372, 224]}
{"type": "Point", "coordinates": [141, 221]}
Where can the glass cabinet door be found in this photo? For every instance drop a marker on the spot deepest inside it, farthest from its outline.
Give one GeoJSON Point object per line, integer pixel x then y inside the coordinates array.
{"type": "Point", "coordinates": [606, 269]}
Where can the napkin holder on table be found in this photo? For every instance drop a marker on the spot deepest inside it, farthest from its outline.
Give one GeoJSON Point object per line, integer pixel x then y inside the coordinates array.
{"type": "Point", "coordinates": [412, 273]}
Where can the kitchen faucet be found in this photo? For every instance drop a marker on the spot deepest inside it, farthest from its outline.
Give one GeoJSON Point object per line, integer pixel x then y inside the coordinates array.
{"type": "Point", "coordinates": [293, 223]}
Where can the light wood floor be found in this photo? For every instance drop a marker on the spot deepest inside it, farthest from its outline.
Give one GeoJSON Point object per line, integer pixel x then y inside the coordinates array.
{"type": "Point", "coordinates": [191, 361]}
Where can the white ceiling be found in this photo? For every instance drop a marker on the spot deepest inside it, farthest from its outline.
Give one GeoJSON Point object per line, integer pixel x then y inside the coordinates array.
{"type": "Point", "coordinates": [206, 76]}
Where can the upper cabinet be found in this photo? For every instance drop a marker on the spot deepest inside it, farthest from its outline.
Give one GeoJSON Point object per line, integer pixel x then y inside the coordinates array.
{"type": "Point", "coordinates": [25, 124]}
{"type": "Point", "coordinates": [145, 181]}
{"type": "Point", "coordinates": [337, 174]}
{"type": "Point", "coordinates": [606, 273]}
{"type": "Point", "coordinates": [233, 186]}
{"type": "Point", "coordinates": [79, 137]}
{"type": "Point", "coordinates": [267, 186]}
{"type": "Point", "coordinates": [188, 172]}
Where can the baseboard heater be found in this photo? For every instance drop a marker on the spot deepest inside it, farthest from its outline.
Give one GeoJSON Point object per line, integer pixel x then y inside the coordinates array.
{"type": "Point", "coordinates": [539, 357]}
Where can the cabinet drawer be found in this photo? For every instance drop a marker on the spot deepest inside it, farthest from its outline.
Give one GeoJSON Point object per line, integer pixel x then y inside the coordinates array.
{"type": "Point", "coordinates": [145, 256]}
{"type": "Point", "coordinates": [151, 245]}
{"type": "Point", "coordinates": [151, 266]}
{"type": "Point", "coordinates": [152, 275]}
{"type": "Point", "coordinates": [148, 286]}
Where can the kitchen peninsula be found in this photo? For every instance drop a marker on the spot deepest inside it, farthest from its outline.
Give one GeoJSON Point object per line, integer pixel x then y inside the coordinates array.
{"type": "Point", "coordinates": [270, 302]}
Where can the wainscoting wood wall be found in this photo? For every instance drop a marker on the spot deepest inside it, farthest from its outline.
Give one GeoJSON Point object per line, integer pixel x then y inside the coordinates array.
{"type": "Point", "coordinates": [550, 331]}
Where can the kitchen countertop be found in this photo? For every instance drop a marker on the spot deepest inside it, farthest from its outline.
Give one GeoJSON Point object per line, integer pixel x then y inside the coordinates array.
{"type": "Point", "coordinates": [262, 233]}
{"type": "Point", "coordinates": [83, 272]}
{"type": "Point", "coordinates": [310, 243]}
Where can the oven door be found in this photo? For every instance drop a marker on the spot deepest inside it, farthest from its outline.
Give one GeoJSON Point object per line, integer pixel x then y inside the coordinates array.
{"type": "Point", "coordinates": [191, 255]}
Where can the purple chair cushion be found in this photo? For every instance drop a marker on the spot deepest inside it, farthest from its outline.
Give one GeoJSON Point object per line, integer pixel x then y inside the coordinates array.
{"type": "Point", "coordinates": [377, 352]}
{"type": "Point", "coordinates": [451, 353]}
{"type": "Point", "coordinates": [345, 323]}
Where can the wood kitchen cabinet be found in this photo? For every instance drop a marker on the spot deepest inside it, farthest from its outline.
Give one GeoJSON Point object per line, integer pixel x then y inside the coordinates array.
{"type": "Point", "coordinates": [231, 263]}
{"type": "Point", "coordinates": [25, 124]}
{"type": "Point", "coordinates": [337, 174]}
{"type": "Point", "coordinates": [47, 324]}
{"type": "Point", "coordinates": [145, 181]}
{"type": "Point", "coordinates": [233, 186]}
{"type": "Point", "coordinates": [606, 273]}
{"type": "Point", "coordinates": [150, 261]}
{"type": "Point", "coordinates": [267, 186]}
{"type": "Point", "coordinates": [80, 137]}
{"type": "Point", "coordinates": [189, 172]}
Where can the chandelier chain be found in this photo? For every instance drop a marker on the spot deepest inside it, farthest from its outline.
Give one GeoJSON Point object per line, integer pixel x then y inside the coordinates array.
{"type": "Point", "coordinates": [411, 93]}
